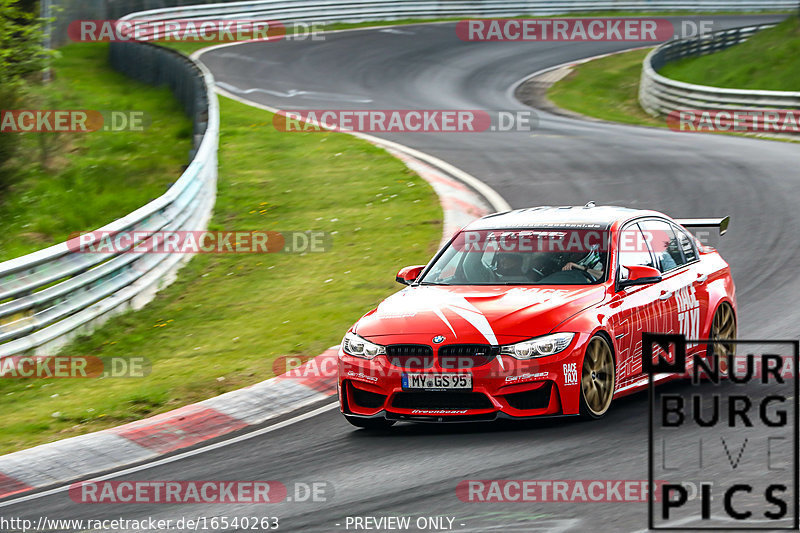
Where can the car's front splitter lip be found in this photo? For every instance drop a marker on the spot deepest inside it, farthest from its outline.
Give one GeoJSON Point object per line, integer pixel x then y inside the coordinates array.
{"type": "Point", "coordinates": [456, 419]}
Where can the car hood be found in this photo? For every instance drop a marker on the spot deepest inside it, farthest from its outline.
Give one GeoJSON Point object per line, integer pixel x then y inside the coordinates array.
{"type": "Point", "coordinates": [469, 314]}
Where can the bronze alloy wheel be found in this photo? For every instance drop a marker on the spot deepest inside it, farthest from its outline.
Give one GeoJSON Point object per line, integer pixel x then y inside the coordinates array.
{"type": "Point", "coordinates": [597, 378]}
{"type": "Point", "coordinates": [723, 328]}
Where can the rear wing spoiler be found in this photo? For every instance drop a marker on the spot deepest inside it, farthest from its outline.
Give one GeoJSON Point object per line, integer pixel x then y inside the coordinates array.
{"type": "Point", "coordinates": [721, 223]}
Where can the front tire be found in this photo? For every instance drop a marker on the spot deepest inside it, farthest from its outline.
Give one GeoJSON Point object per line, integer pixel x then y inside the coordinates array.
{"type": "Point", "coordinates": [598, 378]}
{"type": "Point", "coordinates": [370, 423]}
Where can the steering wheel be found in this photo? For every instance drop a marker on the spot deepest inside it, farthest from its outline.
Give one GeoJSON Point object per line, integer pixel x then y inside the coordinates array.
{"type": "Point", "coordinates": [586, 273]}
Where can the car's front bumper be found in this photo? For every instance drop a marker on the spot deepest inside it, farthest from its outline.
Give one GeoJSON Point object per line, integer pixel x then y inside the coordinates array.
{"type": "Point", "coordinates": [504, 388]}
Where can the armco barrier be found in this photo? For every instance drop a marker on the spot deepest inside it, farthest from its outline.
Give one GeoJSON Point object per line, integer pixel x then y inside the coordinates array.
{"type": "Point", "coordinates": [48, 296]}
{"type": "Point", "coordinates": [659, 95]}
{"type": "Point", "coordinates": [371, 10]}
{"type": "Point", "coordinates": [367, 10]}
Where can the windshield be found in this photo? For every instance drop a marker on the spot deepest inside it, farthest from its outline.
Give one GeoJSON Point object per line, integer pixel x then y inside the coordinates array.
{"type": "Point", "coordinates": [531, 256]}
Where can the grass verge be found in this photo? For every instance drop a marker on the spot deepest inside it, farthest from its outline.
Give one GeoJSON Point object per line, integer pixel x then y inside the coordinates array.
{"type": "Point", "coordinates": [767, 61]}
{"type": "Point", "coordinates": [608, 88]}
{"type": "Point", "coordinates": [605, 88]}
{"type": "Point", "coordinates": [227, 317]}
{"type": "Point", "coordinates": [68, 182]}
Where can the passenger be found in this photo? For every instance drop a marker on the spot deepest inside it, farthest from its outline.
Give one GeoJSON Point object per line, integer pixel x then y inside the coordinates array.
{"type": "Point", "coordinates": [509, 265]}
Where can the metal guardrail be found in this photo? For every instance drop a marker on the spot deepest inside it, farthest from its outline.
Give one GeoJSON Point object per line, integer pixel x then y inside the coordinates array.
{"type": "Point", "coordinates": [369, 10]}
{"type": "Point", "coordinates": [659, 95]}
{"type": "Point", "coordinates": [49, 296]}
{"type": "Point", "coordinates": [365, 10]}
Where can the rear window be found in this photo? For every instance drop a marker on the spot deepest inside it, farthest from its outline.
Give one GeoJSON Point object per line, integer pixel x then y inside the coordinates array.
{"type": "Point", "coordinates": [687, 245]}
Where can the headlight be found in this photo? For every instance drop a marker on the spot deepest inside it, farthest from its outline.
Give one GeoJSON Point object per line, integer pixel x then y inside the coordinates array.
{"type": "Point", "coordinates": [538, 347]}
{"type": "Point", "coordinates": [352, 344]}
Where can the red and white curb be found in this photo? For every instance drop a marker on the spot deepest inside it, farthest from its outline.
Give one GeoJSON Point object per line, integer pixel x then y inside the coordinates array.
{"type": "Point", "coordinates": [65, 460]}
{"type": "Point", "coordinates": [68, 459]}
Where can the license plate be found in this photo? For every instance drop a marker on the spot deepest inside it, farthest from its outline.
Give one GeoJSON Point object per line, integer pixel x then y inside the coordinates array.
{"type": "Point", "coordinates": [437, 381]}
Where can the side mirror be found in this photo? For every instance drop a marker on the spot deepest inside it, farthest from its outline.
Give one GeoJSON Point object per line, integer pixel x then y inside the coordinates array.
{"type": "Point", "coordinates": [640, 275]}
{"type": "Point", "coordinates": [407, 275]}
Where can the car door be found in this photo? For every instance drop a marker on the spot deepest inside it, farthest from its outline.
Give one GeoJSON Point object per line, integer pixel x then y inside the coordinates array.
{"type": "Point", "coordinates": [688, 299]}
{"type": "Point", "coordinates": [637, 308]}
{"type": "Point", "coordinates": [669, 260]}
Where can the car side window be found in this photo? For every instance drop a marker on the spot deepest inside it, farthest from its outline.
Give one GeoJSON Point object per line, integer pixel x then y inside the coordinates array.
{"type": "Point", "coordinates": [687, 245]}
{"type": "Point", "coordinates": [633, 250]}
{"type": "Point", "coordinates": [664, 244]}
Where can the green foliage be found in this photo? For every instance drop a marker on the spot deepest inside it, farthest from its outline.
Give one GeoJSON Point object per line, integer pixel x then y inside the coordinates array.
{"type": "Point", "coordinates": [21, 54]}
{"type": "Point", "coordinates": [768, 60]}
{"type": "Point", "coordinates": [62, 183]}
{"type": "Point", "coordinates": [21, 43]}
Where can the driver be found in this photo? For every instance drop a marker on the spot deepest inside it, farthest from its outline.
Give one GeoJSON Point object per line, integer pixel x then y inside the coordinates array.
{"type": "Point", "coordinates": [591, 264]}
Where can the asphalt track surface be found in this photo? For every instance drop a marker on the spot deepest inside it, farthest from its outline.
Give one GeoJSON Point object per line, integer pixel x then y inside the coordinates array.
{"type": "Point", "coordinates": [414, 469]}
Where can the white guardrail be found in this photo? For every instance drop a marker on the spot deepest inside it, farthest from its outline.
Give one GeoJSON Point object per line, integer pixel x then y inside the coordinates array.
{"type": "Point", "coordinates": [368, 10]}
{"type": "Point", "coordinates": [49, 296]}
{"type": "Point", "coordinates": [659, 95]}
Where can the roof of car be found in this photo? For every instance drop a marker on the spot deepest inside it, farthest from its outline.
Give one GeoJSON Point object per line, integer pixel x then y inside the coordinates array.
{"type": "Point", "coordinates": [590, 217]}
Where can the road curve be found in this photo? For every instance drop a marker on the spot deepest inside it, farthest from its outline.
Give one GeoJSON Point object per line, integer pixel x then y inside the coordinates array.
{"type": "Point", "coordinates": [414, 469]}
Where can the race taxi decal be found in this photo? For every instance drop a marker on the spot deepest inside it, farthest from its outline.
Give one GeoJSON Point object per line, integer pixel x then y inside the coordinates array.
{"type": "Point", "coordinates": [688, 313]}
{"type": "Point", "coordinates": [570, 373]}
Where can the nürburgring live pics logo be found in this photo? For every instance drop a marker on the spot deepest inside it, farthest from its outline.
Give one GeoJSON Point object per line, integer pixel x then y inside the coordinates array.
{"type": "Point", "coordinates": [732, 440]}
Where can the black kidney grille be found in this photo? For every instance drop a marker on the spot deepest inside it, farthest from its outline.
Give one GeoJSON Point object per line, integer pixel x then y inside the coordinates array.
{"type": "Point", "coordinates": [410, 356]}
{"type": "Point", "coordinates": [455, 356]}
